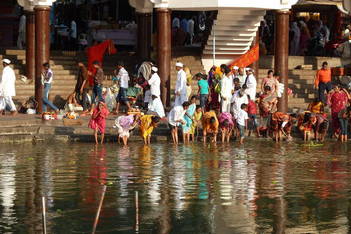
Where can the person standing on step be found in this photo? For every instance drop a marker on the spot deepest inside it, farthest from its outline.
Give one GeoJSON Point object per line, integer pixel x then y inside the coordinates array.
{"type": "Point", "coordinates": [82, 86]}
{"type": "Point", "coordinates": [98, 80]}
{"type": "Point", "coordinates": [7, 87]}
{"type": "Point", "coordinates": [323, 82]}
{"type": "Point", "coordinates": [250, 84]}
{"type": "Point", "coordinates": [227, 89]}
{"type": "Point", "coordinates": [156, 104]}
{"type": "Point", "coordinates": [46, 79]}
{"type": "Point", "coordinates": [123, 78]}
{"type": "Point", "coordinates": [180, 89]}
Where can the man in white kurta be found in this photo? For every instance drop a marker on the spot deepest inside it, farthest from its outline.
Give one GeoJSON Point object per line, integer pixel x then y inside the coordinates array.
{"type": "Point", "coordinates": [180, 89]}
{"type": "Point", "coordinates": [7, 87]}
{"type": "Point", "coordinates": [251, 84]}
{"type": "Point", "coordinates": [156, 104]}
{"type": "Point", "coordinates": [227, 89]}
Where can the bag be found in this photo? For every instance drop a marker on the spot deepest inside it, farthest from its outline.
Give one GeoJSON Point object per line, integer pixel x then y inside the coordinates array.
{"type": "Point", "coordinates": [217, 88]}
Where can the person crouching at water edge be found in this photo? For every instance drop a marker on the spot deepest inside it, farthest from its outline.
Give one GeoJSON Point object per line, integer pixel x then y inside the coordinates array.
{"type": "Point", "coordinates": [124, 125]}
{"type": "Point", "coordinates": [176, 118]}
{"type": "Point", "coordinates": [306, 123]}
{"type": "Point", "coordinates": [282, 123]}
{"type": "Point", "coordinates": [226, 124]}
{"type": "Point", "coordinates": [98, 121]}
{"type": "Point", "coordinates": [210, 125]}
{"type": "Point", "coordinates": [147, 125]}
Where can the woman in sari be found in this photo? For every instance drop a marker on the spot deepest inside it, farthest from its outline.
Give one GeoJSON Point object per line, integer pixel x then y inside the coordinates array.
{"type": "Point", "coordinates": [267, 105]}
{"type": "Point", "coordinates": [98, 121]}
{"type": "Point", "coordinates": [196, 120]}
{"type": "Point", "coordinates": [210, 125]}
{"type": "Point", "coordinates": [124, 125]}
{"type": "Point", "coordinates": [213, 82]}
{"type": "Point", "coordinates": [147, 125]}
{"type": "Point", "coordinates": [188, 118]}
{"type": "Point", "coordinates": [226, 124]}
{"type": "Point", "coordinates": [337, 100]}
{"type": "Point", "coordinates": [270, 81]}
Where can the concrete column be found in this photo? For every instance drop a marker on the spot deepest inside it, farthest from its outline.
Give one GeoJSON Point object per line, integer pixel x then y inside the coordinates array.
{"type": "Point", "coordinates": [42, 45]}
{"type": "Point", "coordinates": [144, 35]}
{"type": "Point", "coordinates": [164, 52]}
{"type": "Point", "coordinates": [281, 54]}
{"type": "Point", "coordinates": [30, 44]}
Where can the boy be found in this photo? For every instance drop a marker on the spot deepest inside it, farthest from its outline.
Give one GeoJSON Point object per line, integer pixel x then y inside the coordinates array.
{"type": "Point", "coordinates": [241, 121]}
{"type": "Point", "coordinates": [176, 118]}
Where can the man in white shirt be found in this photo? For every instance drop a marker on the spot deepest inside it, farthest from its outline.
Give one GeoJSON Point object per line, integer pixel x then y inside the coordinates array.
{"type": "Point", "coordinates": [123, 78]}
{"type": "Point", "coordinates": [156, 104]}
{"type": "Point", "coordinates": [7, 87]}
{"type": "Point", "coordinates": [227, 89]}
{"type": "Point", "coordinates": [250, 84]}
{"type": "Point", "coordinates": [46, 79]}
{"type": "Point", "coordinates": [176, 118]}
{"type": "Point", "coordinates": [180, 89]}
{"type": "Point", "coordinates": [241, 76]}
{"type": "Point", "coordinates": [238, 99]}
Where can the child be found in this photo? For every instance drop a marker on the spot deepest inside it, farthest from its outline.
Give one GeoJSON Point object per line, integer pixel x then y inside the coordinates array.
{"type": "Point", "coordinates": [176, 118]}
{"type": "Point", "coordinates": [236, 84]}
{"type": "Point", "coordinates": [204, 89]}
{"type": "Point", "coordinates": [252, 112]}
{"type": "Point", "coordinates": [226, 125]}
{"type": "Point", "coordinates": [124, 124]}
{"type": "Point", "coordinates": [188, 118]}
{"type": "Point", "coordinates": [98, 121]}
{"type": "Point", "coordinates": [241, 121]}
{"type": "Point", "coordinates": [210, 125]}
{"type": "Point", "coordinates": [196, 121]}
{"type": "Point", "coordinates": [147, 125]}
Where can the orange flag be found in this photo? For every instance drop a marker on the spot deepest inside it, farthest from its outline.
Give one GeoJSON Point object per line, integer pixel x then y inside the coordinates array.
{"type": "Point", "coordinates": [248, 58]}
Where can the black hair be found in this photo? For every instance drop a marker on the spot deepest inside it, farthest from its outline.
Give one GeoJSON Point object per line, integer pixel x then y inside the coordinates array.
{"type": "Point", "coordinates": [225, 68]}
{"type": "Point", "coordinates": [185, 104]}
{"type": "Point", "coordinates": [267, 88]}
{"type": "Point", "coordinates": [236, 80]}
{"type": "Point", "coordinates": [225, 123]}
{"type": "Point", "coordinates": [243, 106]}
{"type": "Point", "coordinates": [198, 106]}
{"type": "Point", "coordinates": [120, 63]}
{"type": "Point", "coordinates": [155, 119]}
{"type": "Point", "coordinates": [96, 62]}
{"type": "Point", "coordinates": [212, 120]}
{"type": "Point", "coordinates": [269, 72]}
{"type": "Point", "coordinates": [192, 97]}
{"type": "Point", "coordinates": [46, 65]}
{"type": "Point", "coordinates": [294, 115]}
{"type": "Point", "coordinates": [324, 63]}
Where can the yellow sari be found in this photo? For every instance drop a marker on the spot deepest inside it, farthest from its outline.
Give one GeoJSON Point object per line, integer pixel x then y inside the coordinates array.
{"type": "Point", "coordinates": [145, 126]}
{"type": "Point", "coordinates": [196, 120]}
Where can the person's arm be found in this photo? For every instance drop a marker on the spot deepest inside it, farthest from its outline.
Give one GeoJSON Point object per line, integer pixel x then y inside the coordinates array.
{"type": "Point", "coordinates": [316, 80]}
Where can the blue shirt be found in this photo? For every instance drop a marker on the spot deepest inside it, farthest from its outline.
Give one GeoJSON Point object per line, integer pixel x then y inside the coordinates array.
{"type": "Point", "coordinates": [203, 84]}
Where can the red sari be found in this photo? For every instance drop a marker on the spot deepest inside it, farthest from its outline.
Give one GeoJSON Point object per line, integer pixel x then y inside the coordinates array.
{"type": "Point", "coordinates": [98, 121]}
{"type": "Point", "coordinates": [337, 102]}
{"type": "Point", "coordinates": [96, 53]}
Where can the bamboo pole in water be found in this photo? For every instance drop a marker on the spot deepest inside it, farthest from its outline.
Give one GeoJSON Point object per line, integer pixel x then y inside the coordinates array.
{"type": "Point", "coordinates": [137, 211]}
{"type": "Point", "coordinates": [44, 214]}
{"type": "Point", "coordinates": [99, 209]}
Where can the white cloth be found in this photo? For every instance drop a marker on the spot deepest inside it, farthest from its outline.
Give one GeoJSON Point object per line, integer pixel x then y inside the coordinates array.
{"type": "Point", "coordinates": [122, 131]}
{"type": "Point", "coordinates": [226, 87]}
{"type": "Point", "coordinates": [8, 82]}
{"type": "Point", "coordinates": [7, 101]}
{"type": "Point", "coordinates": [251, 84]}
{"type": "Point", "coordinates": [280, 90]}
{"type": "Point", "coordinates": [242, 79]}
{"type": "Point", "coordinates": [157, 106]}
{"type": "Point", "coordinates": [123, 76]}
{"type": "Point", "coordinates": [241, 117]}
{"type": "Point", "coordinates": [176, 114]}
{"type": "Point", "coordinates": [147, 96]}
{"type": "Point", "coordinates": [47, 77]}
{"type": "Point", "coordinates": [155, 83]}
{"type": "Point", "coordinates": [180, 88]}
{"type": "Point", "coordinates": [73, 29]}
{"type": "Point", "coordinates": [237, 102]}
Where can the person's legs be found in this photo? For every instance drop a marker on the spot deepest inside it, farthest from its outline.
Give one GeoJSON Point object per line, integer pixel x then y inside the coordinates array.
{"type": "Point", "coordinates": [328, 86]}
{"type": "Point", "coordinates": [102, 137]}
{"type": "Point", "coordinates": [46, 101]}
{"type": "Point", "coordinates": [342, 127]}
{"type": "Point", "coordinates": [223, 134]}
{"type": "Point", "coordinates": [96, 136]}
{"type": "Point", "coordinates": [9, 102]}
{"type": "Point", "coordinates": [321, 92]}
{"type": "Point", "coordinates": [125, 140]}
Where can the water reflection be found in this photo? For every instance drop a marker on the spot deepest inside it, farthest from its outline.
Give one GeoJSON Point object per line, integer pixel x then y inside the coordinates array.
{"type": "Point", "coordinates": [262, 187]}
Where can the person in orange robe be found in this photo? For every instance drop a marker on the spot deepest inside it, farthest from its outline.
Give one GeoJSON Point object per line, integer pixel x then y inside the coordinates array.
{"type": "Point", "coordinates": [96, 52]}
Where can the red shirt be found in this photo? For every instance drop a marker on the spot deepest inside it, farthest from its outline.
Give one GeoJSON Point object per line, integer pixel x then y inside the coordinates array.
{"type": "Point", "coordinates": [251, 108]}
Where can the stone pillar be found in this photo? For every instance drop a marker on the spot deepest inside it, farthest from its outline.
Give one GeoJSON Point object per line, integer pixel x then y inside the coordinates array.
{"type": "Point", "coordinates": [30, 44]}
{"type": "Point", "coordinates": [164, 52]}
{"type": "Point", "coordinates": [144, 35]}
{"type": "Point", "coordinates": [281, 54]}
{"type": "Point", "coordinates": [42, 55]}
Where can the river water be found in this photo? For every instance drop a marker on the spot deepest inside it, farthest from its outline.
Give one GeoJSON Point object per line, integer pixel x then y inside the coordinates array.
{"type": "Point", "coordinates": [261, 187]}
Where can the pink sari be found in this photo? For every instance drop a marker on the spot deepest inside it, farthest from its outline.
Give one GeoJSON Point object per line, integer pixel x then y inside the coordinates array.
{"type": "Point", "coordinates": [337, 102]}
{"type": "Point", "coordinates": [98, 120]}
{"type": "Point", "coordinates": [223, 117]}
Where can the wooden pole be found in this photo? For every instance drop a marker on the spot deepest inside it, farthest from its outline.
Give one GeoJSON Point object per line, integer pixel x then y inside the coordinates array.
{"type": "Point", "coordinates": [99, 209]}
{"type": "Point", "coordinates": [44, 214]}
{"type": "Point", "coordinates": [137, 211]}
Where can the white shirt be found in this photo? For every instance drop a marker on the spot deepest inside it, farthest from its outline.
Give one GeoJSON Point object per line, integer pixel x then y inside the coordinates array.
{"type": "Point", "coordinates": [226, 87]}
{"type": "Point", "coordinates": [155, 83]}
{"type": "Point", "coordinates": [47, 79]}
{"type": "Point", "coordinates": [242, 116]}
{"type": "Point", "coordinates": [7, 82]}
{"type": "Point", "coordinates": [73, 29]}
{"type": "Point", "coordinates": [237, 102]}
{"type": "Point", "coordinates": [251, 86]}
{"type": "Point", "coordinates": [181, 82]}
{"type": "Point", "coordinates": [242, 79]}
{"type": "Point", "coordinates": [123, 76]}
{"type": "Point", "coordinates": [176, 114]}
